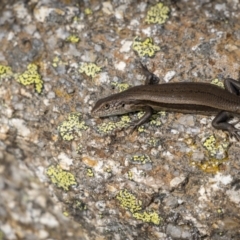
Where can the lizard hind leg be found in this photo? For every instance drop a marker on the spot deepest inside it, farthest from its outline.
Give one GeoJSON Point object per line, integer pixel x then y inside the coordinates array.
{"type": "Point", "coordinates": [221, 122]}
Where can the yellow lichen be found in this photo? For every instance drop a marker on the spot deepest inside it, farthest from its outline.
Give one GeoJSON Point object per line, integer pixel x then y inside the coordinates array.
{"type": "Point", "coordinates": [106, 128]}
{"type": "Point", "coordinates": [145, 48]}
{"type": "Point", "coordinates": [120, 86]}
{"type": "Point", "coordinates": [79, 205]}
{"type": "Point", "coordinates": [153, 142]}
{"type": "Point", "coordinates": [31, 76]}
{"type": "Point", "coordinates": [124, 122]}
{"type": "Point", "coordinates": [130, 175]}
{"type": "Point", "coordinates": [90, 69]}
{"type": "Point", "coordinates": [90, 172]}
{"type": "Point", "coordinates": [87, 11]}
{"type": "Point", "coordinates": [129, 201]}
{"type": "Point", "coordinates": [157, 14]}
{"type": "Point", "coordinates": [66, 214]}
{"type": "Point", "coordinates": [72, 124]}
{"type": "Point", "coordinates": [73, 39]}
{"type": "Point", "coordinates": [142, 159]}
{"type": "Point", "coordinates": [155, 119]}
{"type": "Point", "coordinates": [217, 82]}
{"type": "Point", "coordinates": [213, 147]}
{"type": "Point", "coordinates": [5, 71]}
{"type": "Point", "coordinates": [212, 165]}
{"type": "Point", "coordinates": [61, 178]}
{"type": "Point", "coordinates": [149, 217]}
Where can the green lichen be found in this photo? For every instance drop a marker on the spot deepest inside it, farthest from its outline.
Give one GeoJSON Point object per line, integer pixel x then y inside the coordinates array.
{"type": "Point", "coordinates": [149, 217]}
{"type": "Point", "coordinates": [216, 81]}
{"type": "Point", "coordinates": [73, 39]}
{"type": "Point", "coordinates": [90, 69]}
{"type": "Point", "coordinates": [31, 76]}
{"type": "Point", "coordinates": [145, 48]}
{"type": "Point", "coordinates": [157, 14]}
{"type": "Point", "coordinates": [5, 71]}
{"type": "Point", "coordinates": [72, 125]}
{"type": "Point", "coordinates": [141, 159]}
{"type": "Point", "coordinates": [90, 172]}
{"type": "Point", "coordinates": [129, 202]}
{"type": "Point", "coordinates": [61, 178]}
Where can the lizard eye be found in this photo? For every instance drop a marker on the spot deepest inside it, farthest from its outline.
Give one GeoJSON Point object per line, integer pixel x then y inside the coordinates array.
{"type": "Point", "coordinates": [123, 105]}
{"type": "Point", "coordinates": [106, 106]}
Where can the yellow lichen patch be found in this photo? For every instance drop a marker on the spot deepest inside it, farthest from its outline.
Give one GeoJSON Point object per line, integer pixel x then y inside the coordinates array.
{"type": "Point", "coordinates": [79, 148]}
{"type": "Point", "coordinates": [157, 14]}
{"type": "Point", "coordinates": [90, 172]}
{"type": "Point", "coordinates": [31, 76]}
{"type": "Point", "coordinates": [79, 205]}
{"type": "Point", "coordinates": [108, 169]}
{"type": "Point", "coordinates": [149, 217]}
{"type": "Point", "coordinates": [72, 124]}
{"type": "Point", "coordinates": [61, 178]}
{"type": "Point", "coordinates": [211, 166]}
{"type": "Point", "coordinates": [90, 69]}
{"type": "Point", "coordinates": [213, 147]}
{"type": "Point", "coordinates": [141, 159]}
{"type": "Point", "coordinates": [153, 142]}
{"type": "Point", "coordinates": [155, 119]}
{"type": "Point", "coordinates": [217, 82]}
{"type": "Point", "coordinates": [5, 71]}
{"type": "Point", "coordinates": [120, 86]}
{"type": "Point", "coordinates": [215, 150]}
{"type": "Point", "coordinates": [145, 48]}
{"type": "Point", "coordinates": [73, 39]}
{"type": "Point", "coordinates": [88, 11]}
{"type": "Point", "coordinates": [129, 201]}
{"type": "Point", "coordinates": [56, 61]}
{"type": "Point", "coordinates": [130, 175]}
{"type": "Point", "coordinates": [124, 122]}
{"type": "Point", "coordinates": [106, 128]}
{"type": "Point", "coordinates": [66, 214]}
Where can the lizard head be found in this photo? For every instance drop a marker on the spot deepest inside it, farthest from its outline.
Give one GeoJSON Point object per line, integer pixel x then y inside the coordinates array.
{"type": "Point", "coordinates": [110, 106]}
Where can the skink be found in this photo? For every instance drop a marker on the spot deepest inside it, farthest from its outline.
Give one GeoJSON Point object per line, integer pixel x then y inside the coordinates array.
{"type": "Point", "coordinates": [186, 97]}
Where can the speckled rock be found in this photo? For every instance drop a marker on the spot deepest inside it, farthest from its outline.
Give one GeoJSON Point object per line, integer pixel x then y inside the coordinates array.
{"type": "Point", "coordinates": [67, 175]}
